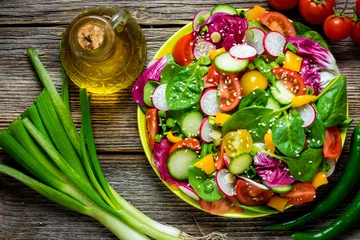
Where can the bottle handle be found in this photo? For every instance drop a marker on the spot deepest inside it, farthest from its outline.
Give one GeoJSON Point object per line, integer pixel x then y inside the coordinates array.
{"type": "Point", "coordinates": [119, 20]}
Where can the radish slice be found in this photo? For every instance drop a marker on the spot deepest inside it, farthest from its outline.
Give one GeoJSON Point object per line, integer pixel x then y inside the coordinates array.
{"type": "Point", "coordinates": [205, 129]}
{"type": "Point", "coordinates": [202, 48]}
{"type": "Point", "coordinates": [199, 18]}
{"type": "Point", "coordinates": [259, 185]}
{"type": "Point", "coordinates": [257, 40]}
{"type": "Point", "coordinates": [190, 192]}
{"type": "Point", "coordinates": [332, 164]}
{"type": "Point", "coordinates": [274, 43]}
{"type": "Point", "coordinates": [243, 52]}
{"type": "Point", "coordinates": [215, 134]}
{"type": "Point", "coordinates": [159, 99]}
{"type": "Point", "coordinates": [307, 113]}
{"type": "Point", "coordinates": [208, 102]}
{"type": "Point", "coordinates": [226, 182]}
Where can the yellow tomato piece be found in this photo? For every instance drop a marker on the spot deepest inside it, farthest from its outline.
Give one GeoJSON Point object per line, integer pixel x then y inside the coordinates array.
{"type": "Point", "coordinates": [207, 164]}
{"type": "Point", "coordinates": [237, 142]}
{"type": "Point", "coordinates": [319, 179]}
{"type": "Point", "coordinates": [256, 13]}
{"type": "Point", "coordinates": [172, 138]}
{"type": "Point", "coordinates": [302, 100]}
{"type": "Point", "coordinates": [253, 80]}
{"type": "Point", "coordinates": [292, 61]}
{"type": "Point", "coordinates": [215, 52]}
{"type": "Point", "coordinates": [278, 203]}
{"type": "Point", "coordinates": [221, 118]}
{"type": "Point", "coordinates": [269, 144]}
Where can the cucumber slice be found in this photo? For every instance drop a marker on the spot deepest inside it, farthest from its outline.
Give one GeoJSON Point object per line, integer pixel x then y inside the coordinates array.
{"type": "Point", "coordinates": [179, 162]}
{"type": "Point", "coordinates": [240, 163]}
{"type": "Point", "coordinates": [272, 104]}
{"type": "Point", "coordinates": [280, 93]}
{"type": "Point", "coordinates": [226, 63]}
{"type": "Point", "coordinates": [282, 188]}
{"type": "Point", "coordinates": [190, 124]}
{"type": "Point", "coordinates": [224, 8]}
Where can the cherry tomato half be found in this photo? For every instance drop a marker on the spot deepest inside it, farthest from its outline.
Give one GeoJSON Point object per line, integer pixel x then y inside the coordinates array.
{"type": "Point", "coordinates": [332, 145]}
{"type": "Point", "coordinates": [337, 28]}
{"type": "Point", "coordinates": [237, 142]}
{"type": "Point", "coordinates": [212, 78]}
{"type": "Point", "coordinates": [183, 50]}
{"type": "Point", "coordinates": [315, 11]}
{"type": "Point", "coordinates": [355, 34]}
{"type": "Point", "coordinates": [252, 195]}
{"type": "Point", "coordinates": [191, 143]}
{"type": "Point", "coordinates": [278, 22]}
{"type": "Point", "coordinates": [292, 80]}
{"type": "Point", "coordinates": [224, 205]}
{"type": "Point", "coordinates": [300, 193]}
{"type": "Point", "coordinates": [229, 91]}
{"type": "Point", "coordinates": [283, 4]}
{"type": "Point", "coordinates": [152, 125]}
{"type": "Point", "coordinates": [253, 80]}
{"type": "Point", "coordinates": [219, 160]}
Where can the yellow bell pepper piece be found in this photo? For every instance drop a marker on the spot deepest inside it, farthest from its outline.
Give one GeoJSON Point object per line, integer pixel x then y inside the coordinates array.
{"type": "Point", "coordinates": [319, 179]}
{"type": "Point", "coordinates": [302, 100]}
{"type": "Point", "coordinates": [292, 61]}
{"type": "Point", "coordinates": [215, 52]}
{"type": "Point", "coordinates": [221, 118]}
{"type": "Point", "coordinates": [269, 144]}
{"type": "Point", "coordinates": [278, 203]}
{"type": "Point", "coordinates": [207, 164]}
{"type": "Point", "coordinates": [256, 13]}
{"type": "Point", "coordinates": [172, 138]}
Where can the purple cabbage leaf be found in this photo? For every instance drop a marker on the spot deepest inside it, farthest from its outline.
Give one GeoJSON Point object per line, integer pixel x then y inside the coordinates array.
{"type": "Point", "coordinates": [273, 171]}
{"type": "Point", "coordinates": [230, 27]}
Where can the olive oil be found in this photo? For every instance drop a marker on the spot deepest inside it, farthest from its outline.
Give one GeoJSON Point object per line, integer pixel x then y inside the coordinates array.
{"type": "Point", "coordinates": [103, 50]}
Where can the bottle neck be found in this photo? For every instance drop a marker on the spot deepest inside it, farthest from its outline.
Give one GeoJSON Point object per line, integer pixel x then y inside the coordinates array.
{"type": "Point", "coordinates": [92, 39]}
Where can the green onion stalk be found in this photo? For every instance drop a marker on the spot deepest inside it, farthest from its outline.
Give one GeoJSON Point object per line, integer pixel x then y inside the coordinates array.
{"type": "Point", "coordinates": [63, 166]}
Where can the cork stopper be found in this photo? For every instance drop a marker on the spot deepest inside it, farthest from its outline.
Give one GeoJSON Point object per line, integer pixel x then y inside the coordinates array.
{"type": "Point", "coordinates": [90, 36]}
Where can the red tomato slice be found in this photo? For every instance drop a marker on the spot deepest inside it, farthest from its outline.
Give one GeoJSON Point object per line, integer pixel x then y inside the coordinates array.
{"type": "Point", "coordinates": [292, 80]}
{"type": "Point", "coordinates": [332, 145]}
{"type": "Point", "coordinates": [212, 78]}
{"type": "Point", "coordinates": [230, 92]}
{"type": "Point", "coordinates": [221, 206]}
{"type": "Point", "coordinates": [300, 193]}
{"type": "Point", "coordinates": [191, 143]}
{"type": "Point", "coordinates": [251, 195]}
{"type": "Point", "coordinates": [183, 50]}
{"type": "Point", "coordinates": [219, 160]}
{"type": "Point", "coordinates": [152, 125]}
{"type": "Point", "coordinates": [277, 22]}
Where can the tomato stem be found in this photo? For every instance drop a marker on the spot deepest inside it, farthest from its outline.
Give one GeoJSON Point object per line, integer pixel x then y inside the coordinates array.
{"type": "Point", "coordinates": [343, 10]}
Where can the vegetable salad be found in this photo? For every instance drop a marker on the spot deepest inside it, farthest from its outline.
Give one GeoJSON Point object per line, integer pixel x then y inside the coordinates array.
{"type": "Point", "coordinates": [247, 111]}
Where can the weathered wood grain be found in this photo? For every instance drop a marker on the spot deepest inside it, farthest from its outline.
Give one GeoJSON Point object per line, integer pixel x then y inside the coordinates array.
{"type": "Point", "coordinates": [24, 214]}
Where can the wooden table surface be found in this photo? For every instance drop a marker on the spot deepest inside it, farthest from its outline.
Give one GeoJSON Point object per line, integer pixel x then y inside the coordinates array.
{"type": "Point", "coordinates": [24, 214]}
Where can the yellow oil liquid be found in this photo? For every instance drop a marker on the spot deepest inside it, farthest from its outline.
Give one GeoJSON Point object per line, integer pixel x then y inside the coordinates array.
{"type": "Point", "coordinates": [117, 71]}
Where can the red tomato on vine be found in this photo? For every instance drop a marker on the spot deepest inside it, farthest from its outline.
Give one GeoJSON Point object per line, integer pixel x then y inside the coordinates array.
{"type": "Point", "coordinates": [337, 27]}
{"type": "Point", "coordinates": [316, 11]}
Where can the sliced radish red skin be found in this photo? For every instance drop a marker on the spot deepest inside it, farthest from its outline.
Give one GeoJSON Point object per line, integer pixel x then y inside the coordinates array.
{"type": "Point", "coordinates": [243, 52]}
{"type": "Point", "coordinates": [307, 113]}
{"type": "Point", "coordinates": [257, 41]}
{"type": "Point", "coordinates": [253, 182]}
{"type": "Point", "coordinates": [274, 39]}
{"type": "Point", "coordinates": [190, 192]}
{"type": "Point", "coordinates": [202, 48]}
{"type": "Point", "coordinates": [208, 102]}
{"type": "Point", "coordinates": [159, 99]}
{"type": "Point", "coordinates": [205, 129]}
{"type": "Point", "coordinates": [332, 164]}
{"type": "Point", "coordinates": [201, 13]}
{"type": "Point", "coordinates": [227, 188]}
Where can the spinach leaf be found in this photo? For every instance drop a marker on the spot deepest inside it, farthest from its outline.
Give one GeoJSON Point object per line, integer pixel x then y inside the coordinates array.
{"type": "Point", "coordinates": [306, 165]}
{"type": "Point", "coordinates": [300, 28]}
{"type": "Point", "coordinates": [316, 132]}
{"type": "Point", "coordinates": [184, 88]}
{"type": "Point", "coordinates": [332, 104]}
{"type": "Point", "coordinates": [257, 120]}
{"type": "Point", "coordinates": [288, 135]}
{"type": "Point", "coordinates": [258, 97]}
{"type": "Point", "coordinates": [316, 37]}
{"type": "Point", "coordinates": [148, 91]}
{"type": "Point", "coordinates": [168, 71]}
{"type": "Point", "coordinates": [203, 185]}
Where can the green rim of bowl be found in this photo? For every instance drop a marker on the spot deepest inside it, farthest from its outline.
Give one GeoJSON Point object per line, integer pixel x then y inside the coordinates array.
{"type": "Point", "coordinates": [165, 49]}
